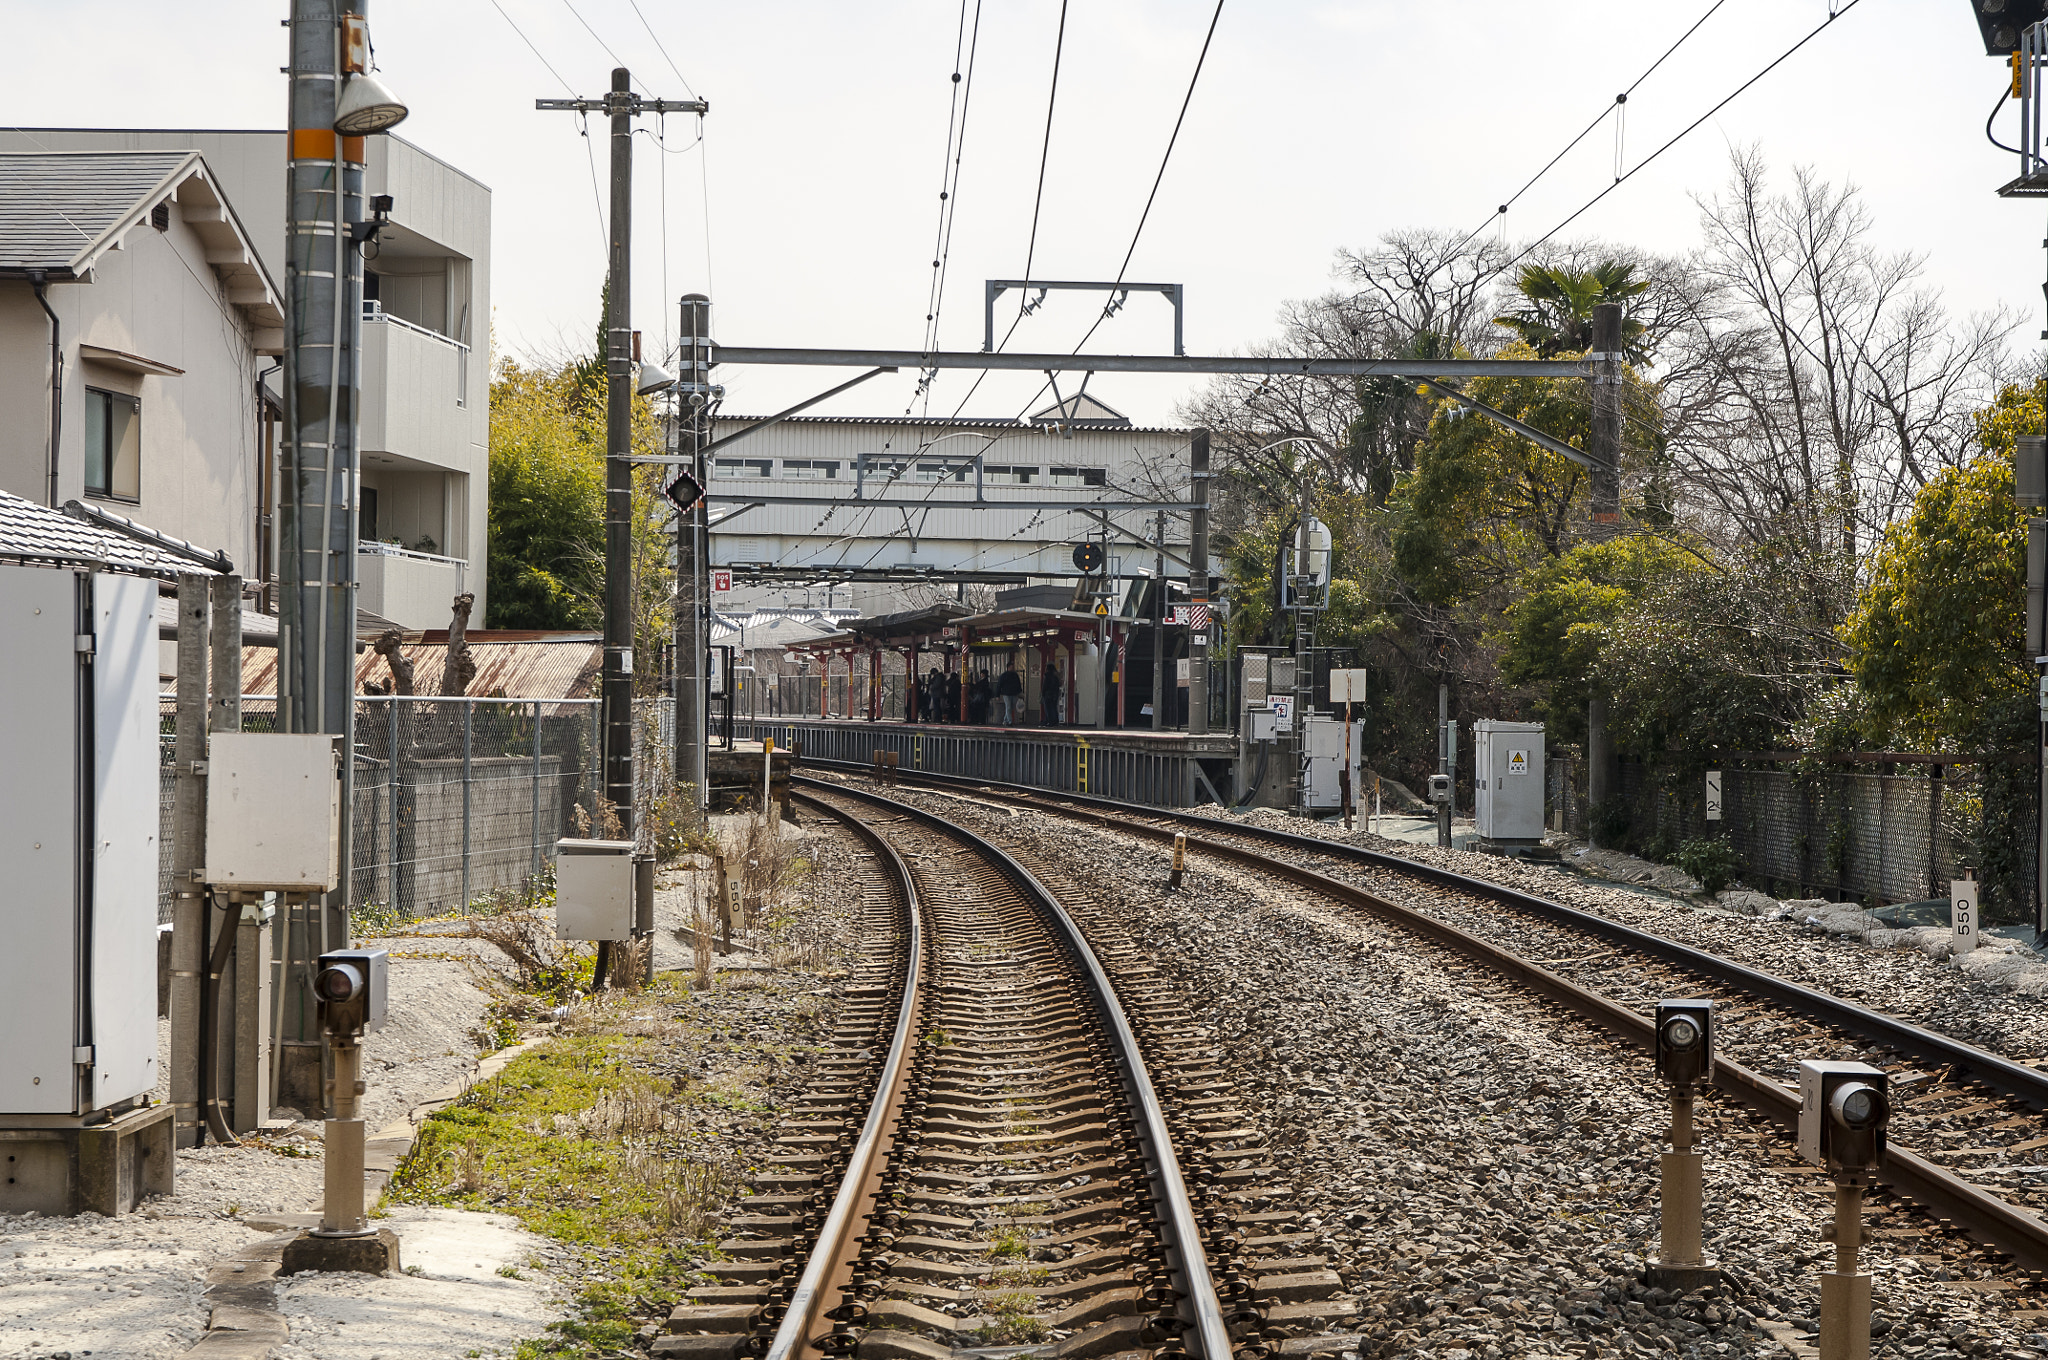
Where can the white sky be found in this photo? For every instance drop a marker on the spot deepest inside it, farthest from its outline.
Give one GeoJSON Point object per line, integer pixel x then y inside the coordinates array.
{"type": "Point", "coordinates": [1317, 124]}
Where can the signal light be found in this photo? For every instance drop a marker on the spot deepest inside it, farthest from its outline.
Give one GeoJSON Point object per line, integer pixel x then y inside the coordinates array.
{"type": "Point", "coordinates": [2001, 22]}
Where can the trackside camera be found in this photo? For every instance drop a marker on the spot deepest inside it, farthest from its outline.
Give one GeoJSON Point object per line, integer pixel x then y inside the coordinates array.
{"type": "Point", "coordinates": [1685, 1042]}
{"type": "Point", "coordinates": [1440, 789]}
{"type": "Point", "coordinates": [1843, 1110]}
{"type": "Point", "coordinates": [351, 987]}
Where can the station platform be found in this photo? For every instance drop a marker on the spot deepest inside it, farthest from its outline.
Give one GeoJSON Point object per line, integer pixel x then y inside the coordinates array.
{"type": "Point", "coordinates": [1156, 769]}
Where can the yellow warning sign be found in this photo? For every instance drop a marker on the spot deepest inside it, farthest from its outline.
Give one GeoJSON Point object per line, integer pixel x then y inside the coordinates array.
{"type": "Point", "coordinates": [1518, 762]}
{"type": "Point", "coordinates": [1102, 606]}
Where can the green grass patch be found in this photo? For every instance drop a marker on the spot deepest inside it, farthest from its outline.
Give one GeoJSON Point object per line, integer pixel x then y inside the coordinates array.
{"type": "Point", "coordinates": [572, 1140]}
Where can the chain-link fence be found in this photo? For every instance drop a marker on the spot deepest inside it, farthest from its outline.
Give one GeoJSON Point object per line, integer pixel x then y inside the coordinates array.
{"type": "Point", "coordinates": [1893, 835]}
{"type": "Point", "coordinates": [454, 797]}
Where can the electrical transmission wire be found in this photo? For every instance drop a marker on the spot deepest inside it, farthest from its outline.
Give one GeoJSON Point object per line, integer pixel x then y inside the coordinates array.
{"type": "Point", "coordinates": [1620, 102]}
{"type": "Point", "coordinates": [659, 47]}
{"type": "Point", "coordinates": [570, 4]}
{"type": "Point", "coordinates": [949, 189]}
{"type": "Point", "coordinates": [1059, 47]}
{"type": "Point", "coordinates": [1625, 177]}
{"type": "Point", "coordinates": [535, 50]}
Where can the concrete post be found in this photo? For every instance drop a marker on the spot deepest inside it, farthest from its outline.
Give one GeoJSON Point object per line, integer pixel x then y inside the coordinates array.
{"type": "Point", "coordinates": [1445, 764]}
{"type": "Point", "coordinates": [693, 414]}
{"type": "Point", "coordinates": [617, 676]}
{"type": "Point", "coordinates": [188, 854]}
{"type": "Point", "coordinates": [1160, 688]}
{"type": "Point", "coordinates": [1681, 1257]}
{"type": "Point", "coordinates": [1605, 441]}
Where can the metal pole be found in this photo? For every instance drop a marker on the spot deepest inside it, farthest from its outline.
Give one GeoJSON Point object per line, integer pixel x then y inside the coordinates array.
{"type": "Point", "coordinates": [1606, 431]}
{"type": "Point", "coordinates": [617, 684]}
{"type": "Point", "coordinates": [692, 602]}
{"type": "Point", "coordinates": [391, 796]}
{"type": "Point", "coordinates": [535, 868]}
{"type": "Point", "coordinates": [468, 717]}
{"type": "Point", "coordinates": [1198, 584]}
{"type": "Point", "coordinates": [188, 854]}
{"type": "Point", "coordinates": [1444, 764]}
{"type": "Point", "coordinates": [1159, 621]}
{"type": "Point", "coordinates": [1304, 675]}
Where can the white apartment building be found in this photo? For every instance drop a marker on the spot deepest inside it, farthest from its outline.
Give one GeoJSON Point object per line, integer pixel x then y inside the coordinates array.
{"type": "Point", "coordinates": [851, 511]}
{"type": "Point", "coordinates": [205, 469]}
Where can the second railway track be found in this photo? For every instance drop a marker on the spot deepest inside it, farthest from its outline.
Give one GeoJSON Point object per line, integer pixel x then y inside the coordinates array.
{"type": "Point", "coordinates": [1606, 971]}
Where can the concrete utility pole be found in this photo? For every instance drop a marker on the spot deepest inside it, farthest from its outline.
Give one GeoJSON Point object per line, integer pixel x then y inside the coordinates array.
{"type": "Point", "coordinates": [693, 417]}
{"type": "Point", "coordinates": [1446, 764]}
{"type": "Point", "coordinates": [1302, 575]}
{"type": "Point", "coordinates": [1198, 584]}
{"type": "Point", "coordinates": [1605, 439]}
{"type": "Point", "coordinates": [317, 491]}
{"type": "Point", "coordinates": [616, 683]}
{"type": "Point", "coordinates": [188, 855]}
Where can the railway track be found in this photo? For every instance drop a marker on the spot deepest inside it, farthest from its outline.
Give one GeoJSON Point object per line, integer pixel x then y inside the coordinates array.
{"type": "Point", "coordinates": [1957, 1104]}
{"type": "Point", "coordinates": [1016, 1139]}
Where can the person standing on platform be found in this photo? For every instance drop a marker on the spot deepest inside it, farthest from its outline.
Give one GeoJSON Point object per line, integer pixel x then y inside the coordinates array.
{"type": "Point", "coordinates": [952, 701]}
{"type": "Point", "coordinates": [1049, 695]}
{"type": "Point", "coordinates": [977, 700]}
{"type": "Point", "coordinates": [1010, 697]}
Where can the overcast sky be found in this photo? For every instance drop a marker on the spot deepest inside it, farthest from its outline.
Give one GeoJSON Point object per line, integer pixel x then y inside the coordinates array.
{"type": "Point", "coordinates": [1316, 124]}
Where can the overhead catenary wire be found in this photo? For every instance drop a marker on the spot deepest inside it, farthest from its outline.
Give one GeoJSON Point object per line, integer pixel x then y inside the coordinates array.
{"type": "Point", "coordinates": [1620, 103]}
{"type": "Point", "coordinates": [660, 47]}
{"type": "Point", "coordinates": [532, 47]}
{"type": "Point", "coordinates": [958, 106]}
{"type": "Point", "coordinates": [1680, 136]}
{"type": "Point", "coordinates": [571, 6]}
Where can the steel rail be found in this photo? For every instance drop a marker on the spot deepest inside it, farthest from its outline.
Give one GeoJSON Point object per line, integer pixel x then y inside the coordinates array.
{"type": "Point", "coordinates": [1179, 1214]}
{"type": "Point", "coordinates": [796, 1333]}
{"type": "Point", "coordinates": [1991, 1220]}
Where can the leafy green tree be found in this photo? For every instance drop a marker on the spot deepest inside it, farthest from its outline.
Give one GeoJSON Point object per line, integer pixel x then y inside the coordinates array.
{"type": "Point", "coordinates": [1563, 607]}
{"type": "Point", "coordinates": [546, 501]}
{"type": "Point", "coordinates": [1556, 315]}
{"type": "Point", "coordinates": [1938, 632]}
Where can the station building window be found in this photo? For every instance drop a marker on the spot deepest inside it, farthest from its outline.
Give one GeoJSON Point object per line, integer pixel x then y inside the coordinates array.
{"type": "Point", "coordinates": [1010, 476]}
{"type": "Point", "coordinates": [942, 472]}
{"type": "Point", "coordinates": [113, 445]}
{"type": "Point", "coordinates": [1078, 476]}
{"type": "Point", "coordinates": [742, 467]}
{"type": "Point", "coordinates": [810, 469]}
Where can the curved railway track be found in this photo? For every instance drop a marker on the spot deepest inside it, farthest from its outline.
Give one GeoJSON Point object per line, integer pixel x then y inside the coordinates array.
{"type": "Point", "coordinates": [1605, 971]}
{"type": "Point", "coordinates": [1014, 1139]}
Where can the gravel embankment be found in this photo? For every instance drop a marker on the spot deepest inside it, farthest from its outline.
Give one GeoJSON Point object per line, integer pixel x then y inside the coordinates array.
{"type": "Point", "coordinates": [1482, 1172]}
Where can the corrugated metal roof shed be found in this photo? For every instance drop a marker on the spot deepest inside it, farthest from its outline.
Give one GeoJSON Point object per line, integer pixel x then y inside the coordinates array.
{"type": "Point", "coordinates": [562, 667]}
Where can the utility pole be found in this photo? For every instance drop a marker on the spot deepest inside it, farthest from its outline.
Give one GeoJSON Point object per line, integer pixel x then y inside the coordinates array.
{"type": "Point", "coordinates": [1446, 763]}
{"type": "Point", "coordinates": [1605, 449]}
{"type": "Point", "coordinates": [1302, 576]}
{"type": "Point", "coordinates": [330, 54]}
{"type": "Point", "coordinates": [693, 415]}
{"type": "Point", "coordinates": [616, 719]}
{"type": "Point", "coordinates": [1198, 585]}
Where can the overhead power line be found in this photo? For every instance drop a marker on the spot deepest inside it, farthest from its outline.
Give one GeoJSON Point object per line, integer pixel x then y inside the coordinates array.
{"type": "Point", "coordinates": [1625, 177]}
{"type": "Point", "coordinates": [661, 48]}
{"type": "Point", "coordinates": [570, 4]}
{"type": "Point", "coordinates": [532, 48]}
{"type": "Point", "coordinates": [1620, 102]}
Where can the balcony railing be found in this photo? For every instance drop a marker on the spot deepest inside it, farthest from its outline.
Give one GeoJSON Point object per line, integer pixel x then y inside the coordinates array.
{"type": "Point", "coordinates": [373, 310]}
{"type": "Point", "coordinates": [372, 548]}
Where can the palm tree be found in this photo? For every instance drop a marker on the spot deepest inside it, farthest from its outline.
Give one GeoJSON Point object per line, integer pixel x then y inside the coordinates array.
{"type": "Point", "coordinates": [1558, 317]}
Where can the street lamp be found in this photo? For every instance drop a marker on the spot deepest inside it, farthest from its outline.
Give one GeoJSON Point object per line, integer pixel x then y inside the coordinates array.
{"type": "Point", "coordinates": [367, 106]}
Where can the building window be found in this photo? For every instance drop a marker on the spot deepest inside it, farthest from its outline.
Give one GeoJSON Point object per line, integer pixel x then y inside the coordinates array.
{"type": "Point", "coordinates": [811, 469]}
{"type": "Point", "coordinates": [1072, 476]}
{"type": "Point", "coordinates": [1010, 476]}
{"type": "Point", "coordinates": [113, 445]}
{"type": "Point", "coordinates": [742, 467]}
{"type": "Point", "coordinates": [941, 472]}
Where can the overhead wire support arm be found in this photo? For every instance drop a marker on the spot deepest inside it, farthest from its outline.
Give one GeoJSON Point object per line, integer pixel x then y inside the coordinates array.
{"type": "Point", "coordinates": [1527, 431]}
{"type": "Point", "coordinates": [1173, 292]}
{"type": "Point", "coordinates": [1276, 366]}
{"type": "Point", "coordinates": [760, 425]}
{"type": "Point", "coordinates": [632, 103]}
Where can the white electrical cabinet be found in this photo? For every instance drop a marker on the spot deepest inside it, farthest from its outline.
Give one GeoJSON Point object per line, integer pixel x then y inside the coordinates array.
{"type": "Point", "coordinates": [1507, 780]}
{"type": "Point", "coordinates": [1325, 743]}
{"type": "Point", "coordinates": [78, 825]}
{"type": "Point", "coordinates": [593, 890]}
{"type": "Point", "coordinates": [273, 812]}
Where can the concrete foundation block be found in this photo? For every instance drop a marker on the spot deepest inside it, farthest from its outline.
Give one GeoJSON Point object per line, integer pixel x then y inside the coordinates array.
{"type": "Point", "coordinates": [368, 1255]}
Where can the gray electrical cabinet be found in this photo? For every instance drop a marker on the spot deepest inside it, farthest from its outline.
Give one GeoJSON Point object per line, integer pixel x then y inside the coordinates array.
{"type": "Point", "coordinates": [1507, 780]}
{"type": "Point", "coordinates": [78, 823]}
{"type": "Point", "coordinates": [1326, 759]}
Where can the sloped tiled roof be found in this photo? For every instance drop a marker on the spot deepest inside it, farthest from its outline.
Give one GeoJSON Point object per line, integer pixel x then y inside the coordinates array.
{"type": "Point", "coordinates": [58, 209]}
{"type": "Point", "coordinates": [35, 533]}
{"type": "Point", "coordinates": [1081, 409]}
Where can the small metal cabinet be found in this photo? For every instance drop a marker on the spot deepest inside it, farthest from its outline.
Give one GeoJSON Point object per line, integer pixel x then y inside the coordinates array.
{"type": "Point", "coordinates": [273, 811]}
{"type": "Point", "coordinates": [1507, 780]}
{"type": "Point", "coordinates": [593, 890]}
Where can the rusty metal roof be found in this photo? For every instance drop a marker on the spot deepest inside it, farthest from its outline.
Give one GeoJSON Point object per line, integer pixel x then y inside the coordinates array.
{"type": "Point", "coordinates": [559, 667]}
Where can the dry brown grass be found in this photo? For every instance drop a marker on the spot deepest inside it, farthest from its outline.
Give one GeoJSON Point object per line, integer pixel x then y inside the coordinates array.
{"type": "Point", "coordinates": [540, 962]}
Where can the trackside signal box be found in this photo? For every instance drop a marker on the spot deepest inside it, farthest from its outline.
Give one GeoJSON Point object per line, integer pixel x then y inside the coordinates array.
{"type": "Point", "coordinates": [1507, 780]}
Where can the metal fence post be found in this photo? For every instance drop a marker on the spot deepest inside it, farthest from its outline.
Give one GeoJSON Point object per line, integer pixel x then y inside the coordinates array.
{"type": "Point", "coordinates": [468, 710]}
{"type": "Point", "coordinates": [536, 787]}
{"type": "Point", "coordinates": [391, 800]}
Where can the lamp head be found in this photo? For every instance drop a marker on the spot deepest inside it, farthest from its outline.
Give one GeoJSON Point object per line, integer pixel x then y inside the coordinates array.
{"type": "Point", "coordinates": [367, 106]}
